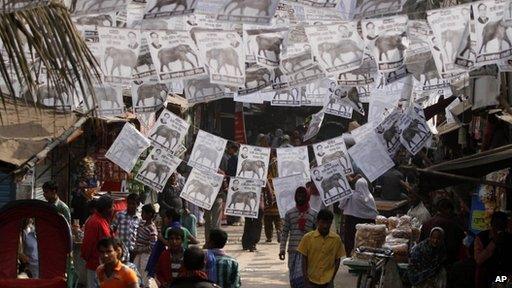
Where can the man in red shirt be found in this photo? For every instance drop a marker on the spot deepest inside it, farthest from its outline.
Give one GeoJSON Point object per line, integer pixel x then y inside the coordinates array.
{"type": "Point", "coordinates": [96, 228]}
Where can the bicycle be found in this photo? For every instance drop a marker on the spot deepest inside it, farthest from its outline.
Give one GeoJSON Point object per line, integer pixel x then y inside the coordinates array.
{"type": "Point", "coordinates": [376, 273]}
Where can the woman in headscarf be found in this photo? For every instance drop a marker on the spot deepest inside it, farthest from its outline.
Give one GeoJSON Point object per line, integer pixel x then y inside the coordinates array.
{"type": "Point", "coordinates": [426, 262]}
{"type": "Point", "coordinates": [357, 208]}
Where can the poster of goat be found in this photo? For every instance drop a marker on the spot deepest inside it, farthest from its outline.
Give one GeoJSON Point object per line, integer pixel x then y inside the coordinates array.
{"type": "Point", "coordinates": [388, 132]}
{"type": "Point", "coordinates": [386, 38]}
{"type": "Point", "coordinates": [414, 130]}
{"type": "Point", "coordinates": [284, 188]}
{"type": "Point", "coordinates": [294, 160]}
{"type": "Point", "coordinates": [224, 56]}
{"type": "Point", "coordinates": [243, 198]}
{"type": "Point", "coordinates": [256, 78]}
{"type": "Point", "coordinates": [246, 11]}
{"type": "Point", "coordinates": [338, 47]}
{"type": "Point", "coordinates": [332, 184]}
{"type": "Point", "coordinates": [109, 100]}
{"type": "Point", "coordinates": [336, 102]}
{"type": "Point", "coordinates": [202, 90]}
{"type": "Point", "coordinates": [168, 131]}
{"type": "Point", "coordinates": [148, 96]}
{"type": "Point", "coordinates": [83, 7]}
{"type": "Point", "coordinates": [174, 55]}
{"type": "Point", "coordinates": [157, 168]}
{"type": "Point", "coordinates": [371, 156]}
{"type": "Point", "coordinates": [119, 54]}
{"type": "Point", "coordinates": [202, 188]}
{"type": "Point", "coordinates": [332, 150]}
{"type": "Point", "coordinates": [264, 46]}
{"type": "Point", "coordinates": [253, 163]}
{"type": "Point", "coordinates": [492, 31]}
{"type": "Point", "coordinates": [207, 152]}
{"type": "Point", "coordinates": [168, 8]}
{"type": "Point", "coordinates": [288, 97]}
{"type": "Point", "coordinates": [314, 125]}
{"type": "Point", "coordinates": [127, 147]}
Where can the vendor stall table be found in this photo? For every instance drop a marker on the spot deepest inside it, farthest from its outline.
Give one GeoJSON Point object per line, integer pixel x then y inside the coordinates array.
{"type": "Point", "coordinates": [391, 208]}
{"type": "Point", "coordinates": [360, 268]}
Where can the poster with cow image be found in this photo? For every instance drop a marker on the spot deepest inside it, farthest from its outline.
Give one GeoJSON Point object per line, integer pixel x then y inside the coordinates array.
{"type": "Point", "coordinates": [255, 12]}
{"type": "Point", "coordinates": [157, 168]}
{"type": "Point", "coordinates": [298, 58]}
{"type": "Point", "coordinates": [293, 160]}
{"type": "Point", "coordinates": [364, 75]}
{"type": "Point", "coordinates": [253, 163]}
{"type": "Point", "coordinates": [284, 188]}
{"type": "Point", "coordinates": [120, 51]}
{"type": "Point", "coordinates": [386, 38]}
{"type": "Point", "coordinates": [370, 156]}
{"type": "Point", "coordinates": [492, 29]}
{"type": "Point", "coordinates": [256, 78]}
{"type": "Point", "coordinates": [148, 96]}
{"type": "Point", "coordinates": [83, 7]}
{"type": "Point", "coordinates": [331, 183]}
{"type": "Point", "coordinates": [336, 103]}
{"type": "Point", "coordinates": [332, 150]}
{"type": "Point", "coordinates": [202, 188]}
{"type": "Point", "coordinates": [288, 97]}
{"type": "Point", "coordinates": [338, 47]}
{"type": "Point", "coordinates": [174, 55]}
{"type": "Point", "coordinates": [314, 125]}
{"type": "Point", "coordinates": [168, 131]}
{"type": "Point", "coordinates": [264, 46]}
{"type": "Point", "coordinates": [244, 196]}
{"type": "Point", "coordinates": [224, 56]}
{"type": "Point", "coordinates": [202, 90]}
{"type": "Point", "coordinates": [207, 152]}
{"type": "Point", "coordinates": [109, 99]}
{"type": "Point", "coordinates": [168, 8]}
{"type": "Point", "coordinates": [127, 147]}
{"type": "Point", "coordinates": [388, 132]}
{"type": "Point", "coordinates": [414, 129]}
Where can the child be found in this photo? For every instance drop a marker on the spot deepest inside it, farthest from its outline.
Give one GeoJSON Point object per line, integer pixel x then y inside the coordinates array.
{"type": "Point", "coordinates": [170, 262]}
{"type": "Point", "coordinates": [189, 221]}
{"type": "Point", "coordinates": [146, 238]}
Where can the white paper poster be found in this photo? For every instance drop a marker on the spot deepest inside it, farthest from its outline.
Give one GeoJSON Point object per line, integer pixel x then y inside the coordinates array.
{"type": "Point", "coordinates": [127, 147]}
{"type": "Point", "coordinates": [169, 131]}
{"type": "Point", "coordinates": [253, 162]}
{"type": "Point", "coordinates": [415, 132]}
{"type": "Point", "coordinates": [98, 6]}
{"type": "Point", "coordinates": [388, 132]}
{"type": "Point", "coordinates": [148, 96]}
{"type": "Point", "coordinates": [202, 90]}
{"type": "Point", "coordinates": [371, 157]}
{"type": "Point", "coordinates": [292, 161]}
{"type": "Point", "coordinates": [244, 196]}
{"type": "Point", "coordinates": [207, 152]}
{"type": "Point", "coordinates": [109, 100]}
{"type": "Point", "coordinates": [247, 11]}
{"type": "Point", "coordinates": [290, 97]}
{"type": "Point", "coordinates": [263, 46]}
{"type": "Point", "coordinates": [333, 150]}
{"type": "Point", "coordinates": [145, 68]}
{"type": "Point", "coordinates": [167, 8]}
{"type": "Point", "coordinates": [330, 182]}
{"type": "Point", "coordinates": [157, 168]}
{"type": "Point", "coordinates": [336, 102]}
{"type": "Point", "coordinates": [316, 93]}
{"type": "Point", "coordinates": [256, 78]}
{"type": "Point", "coordinates": [314, 125]}
{"type": "Point", "coordinates": [202, 188]}
{"type": "Point", "coordinates": [368, 8]}
{"type": "Point", "coordinates": [284, 188]}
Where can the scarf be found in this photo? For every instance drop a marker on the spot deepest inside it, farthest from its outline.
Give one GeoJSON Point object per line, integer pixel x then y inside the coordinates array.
{"type": "Point", "coordinates": [303, 211]}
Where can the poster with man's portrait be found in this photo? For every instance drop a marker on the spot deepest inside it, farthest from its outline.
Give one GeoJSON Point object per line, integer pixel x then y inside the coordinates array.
{"type": "Point", "coordinates": [291, 161]}
{"type": "Point", "coordinates": [244, 196]}
{"type": "Point", "coordinates": [168, 131]}
{"type": "Point", "coordinates": [332, 150]}
{"type": "Point", "coordinates": [157, 168]}
{"type": "Point", "coordinates": [202, 188]}
{"type": "Point", "coordinates": [331, 182]}
{"type": "Point", "coordinates": [207, 152]}
{"type": "Point", "coordinates": [253, 163]}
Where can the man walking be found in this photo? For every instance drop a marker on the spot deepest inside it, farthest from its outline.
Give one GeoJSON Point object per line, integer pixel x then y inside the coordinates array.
{"type": "Point", "coordinates": [222, 269]}
{"type": "Point", "coordinates": [298, 221]}
{"type": "Point", "coordinates": [321, 250]}
{"type": "Point", "coordinates": [126, 223]}
{"type": "Point", "coordinates": [50, 194]}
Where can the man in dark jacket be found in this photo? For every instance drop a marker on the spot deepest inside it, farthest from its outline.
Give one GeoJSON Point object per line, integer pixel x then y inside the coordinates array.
{"type": "Point", "coordinates": [193, 275]}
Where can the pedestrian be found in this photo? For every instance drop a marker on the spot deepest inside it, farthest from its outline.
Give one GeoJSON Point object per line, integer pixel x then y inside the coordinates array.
{"type": "Point", "coordinates": [357, 208]}
{"type": "Point", "coordinates": [50, 194]}
{"type": "Point", "coordinates": [125, 225]}
{"type": "Point", "coordinates": [298, 221]}
{"type": "Point", "coordinates": [170, 196]}
{"type": "Point", "coordinates": [120, 247]}
{"type": "Point", "coordinates": [271, 216]}
{"type": "Point", "coordinates": [252, 230]}
{"type": "Point", "coordinates": [321, 251]}
{"type": "Point", "coordinates": [113, 273]}
{"type": "Point", "coordinates": [426, 262]}
{"type": "Point", "coordinates": [171, 261]}
{"type": "Point", "coordinates": [96, 228]}
{"type": "Point", "coordinates": [189, 221]}
{"type": "Point", "coordinates": [286, 142]}
{"type": "Point", "coordinates": [146, 237]}
{"type": "Point", "coordinates": [28, 253]}
{"type": "Point", "coordinates": [418, 210]}
{"type": "Point", "coordinates": [193, 275]}
{"type": "Point", "coordinates": [221, 268]}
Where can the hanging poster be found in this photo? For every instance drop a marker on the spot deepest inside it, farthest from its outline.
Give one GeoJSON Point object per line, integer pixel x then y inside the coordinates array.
{"type": "Point", "coordinates": [109, 100]}
{"type": "Point", "coordinates": [98, 6]}
{"type": "Point", "coordinates": [317, 3]}
{"type": "Point", "coordinates": [292, 161]}
{"type": "Point", "coordinates": [333, 150]}
{"type": "Point", "coordinates": [386, 38]}
{"type": "Point", "coordinates": [365, 9]}
{"type": "Point", "coordinates": [414, 130]}
{"type": "Point", "coordinates": [223, 53]}
{"type": "Point", "coordinates": [290, 97]}
{"type": "Point", "coordinates": [253, 162]}
{"type": "Point", "coordinates": [338, 48]}
{"type": "Point", "coordinates": [47, 94]}
{"type": "Point", "coordinates": [388, 132]}
{"type": "Point", "coordinates": [264, 46]}
{"type": "Point", "coordinates": [301, 78]}
{"type": "Point", "coordinates": [202, 188]}
{"type": "Point", "coordinates": [316, 92]}
{"type": "Point", "coordinates": [297, 60]}
{"type": "Point", "coordinates": [167, 8]}
{"type": "Point", "coordinates": [168, 132]}
{"type": "Point", "coordinates": [243, 198]}
{"type": "Point", "coordinates": [202, 90]}
{"type": "Point", "coordinates": [175, 55]}
{"type": "Point", "coordinates": [360, 132]}
{"type": "Point", "coordinates": [257, 12]}
{"type": "Point", "coordinates": [314, 125]}
{"type": "Point", "coordinates": [157, 168]}
{"type": "Point", "coordinates": [332, 185]}
{"type": "Point", "coordinates": [279, 80]}
{"type": "Point", "coordinates": [371, 157]}
{"type": "Point", "coordinates": [256, 78]}
{"type": "Point", "coordinates": [120, 51]}
{"type": "Point", "coordinates": [148, 96]}
{"type": "Point", "coordinates": [284, 188]}
{"type": "Point", "coordinates": [207, 152]}
{"type": "Point", "coordinates": [336, 102]}
{"type": "Point", "coordinates": [127, 147]}
{"type": "Point", "coordinates": [466, 54]}
{"type": "Point", "coordinates": [145, 68]}
{"type": "Point", "coordinates": [363, 75]}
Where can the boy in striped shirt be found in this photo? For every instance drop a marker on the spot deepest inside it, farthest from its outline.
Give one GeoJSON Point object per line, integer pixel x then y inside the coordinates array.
{"type": "Point", "coordinates": [146, 238]}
